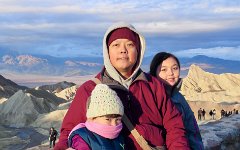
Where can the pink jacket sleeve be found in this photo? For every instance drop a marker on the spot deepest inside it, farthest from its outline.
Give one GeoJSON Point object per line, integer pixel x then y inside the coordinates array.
{"type": "Point", "coordinates": [79, 144]}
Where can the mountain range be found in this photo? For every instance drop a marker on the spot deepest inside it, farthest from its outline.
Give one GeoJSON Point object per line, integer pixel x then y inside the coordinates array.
{"type": "Point", "coordinates": [87, 65]}
{"type": "Point", "coordinates": [198, 86]}
{"type": "Point", "coordinates": [45, 106]}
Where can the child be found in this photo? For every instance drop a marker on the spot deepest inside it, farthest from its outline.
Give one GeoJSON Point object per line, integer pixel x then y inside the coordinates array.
{"type": "Point", "coordinates": [166, 67]}
{"type": "Point", "coordinates": [103, 125]}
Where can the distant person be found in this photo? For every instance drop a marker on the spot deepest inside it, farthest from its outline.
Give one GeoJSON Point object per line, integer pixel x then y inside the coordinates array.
{"type": "Point", "coordinates": [166, 67]}
{"type": "Point", "coordinates": [103, 125]}
{"type": "Point", "coordinates": [214, 113]}
{"type": "Point", "coordinates": [236, 111]}
{"type": "Point", "coordinates": [200, 114]}
{"type": "Point", "coordinates": [222, 113]}
{"type": "Point", "coordinates": [211, 114]}
{"type": "Point", "coordinates": [228, 113]}
{"type": "Point", "coordinates": [52, 137]}
{"type": "Point", "coordinates": [203, 114]}
{"type": "Point", "coordinates": [145, 102]}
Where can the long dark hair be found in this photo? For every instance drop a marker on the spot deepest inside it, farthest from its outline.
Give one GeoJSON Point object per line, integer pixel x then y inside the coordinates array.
{"type": "Point", "coordinates": [158, 59]}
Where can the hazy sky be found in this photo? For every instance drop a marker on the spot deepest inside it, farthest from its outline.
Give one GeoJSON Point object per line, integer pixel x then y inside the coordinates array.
{"type": "Point", "coordinates": [76, 27]}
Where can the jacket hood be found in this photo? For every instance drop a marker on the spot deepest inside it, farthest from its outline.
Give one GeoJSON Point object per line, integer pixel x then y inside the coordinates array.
{"type": "Point", "coordinates": [109, 68]}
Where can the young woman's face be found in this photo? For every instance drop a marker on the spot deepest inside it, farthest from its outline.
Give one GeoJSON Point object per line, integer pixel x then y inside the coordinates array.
{"type": "Point", "coordinates": [108, 120]}
{"type": "Point", "coordinates": [169, 71]}
{"type": "Point", "coordinates": [123, 56]}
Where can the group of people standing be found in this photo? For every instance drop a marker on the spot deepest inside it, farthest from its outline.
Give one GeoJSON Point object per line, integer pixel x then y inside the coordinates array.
{"type": "Point", "coordinates": [228, 113]}
{"type": "Point", "coordinates": [201, 114]}
{"type": "Point", "coordinates": [149, 104]}
{"type": "Point", "coordinates": [212, 113]}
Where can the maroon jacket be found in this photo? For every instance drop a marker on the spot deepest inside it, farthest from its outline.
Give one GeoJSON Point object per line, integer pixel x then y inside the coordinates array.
{"type": "Point", "coordinates": [146, 105]}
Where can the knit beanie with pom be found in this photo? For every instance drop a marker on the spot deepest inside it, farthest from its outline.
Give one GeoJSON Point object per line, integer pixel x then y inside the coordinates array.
{"type": "Point", "coordinates": [104, 101]}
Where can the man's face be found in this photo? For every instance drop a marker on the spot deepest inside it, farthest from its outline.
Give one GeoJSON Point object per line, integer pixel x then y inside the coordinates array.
{"type": "Point", "coordinates": [123, 56]}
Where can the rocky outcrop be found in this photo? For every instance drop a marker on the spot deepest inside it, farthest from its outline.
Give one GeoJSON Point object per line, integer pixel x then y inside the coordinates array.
{"type": "Point", "coordinates": [204, 86]}
{"type": "Point", "coordinates": [68, 93]}
{"type": "Point", "coordinates": [222, 134]}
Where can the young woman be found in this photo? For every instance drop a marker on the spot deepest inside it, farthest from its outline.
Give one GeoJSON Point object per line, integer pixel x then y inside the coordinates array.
{"type": "Point", "coordinates": [166, 67]}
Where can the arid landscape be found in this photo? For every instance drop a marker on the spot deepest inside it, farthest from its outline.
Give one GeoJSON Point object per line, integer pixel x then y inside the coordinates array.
{"type": "Point", "coordinates": [26, 114]}
{"type": "Point", "coordinates": [49, 48]}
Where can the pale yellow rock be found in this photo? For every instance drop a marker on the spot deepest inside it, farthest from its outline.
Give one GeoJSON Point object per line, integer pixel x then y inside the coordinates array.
{"type": "Point", "coordinates": [199, 85]}
{"type": "Point", "coordinates": [68, 93]}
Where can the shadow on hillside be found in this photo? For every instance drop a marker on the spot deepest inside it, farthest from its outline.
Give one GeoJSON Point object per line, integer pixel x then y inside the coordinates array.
{"type": "Point", "coordinates": [19, 138]}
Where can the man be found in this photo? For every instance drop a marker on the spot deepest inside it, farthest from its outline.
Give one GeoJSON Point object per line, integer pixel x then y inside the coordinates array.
{"type": "Point", "coordinates": [52, 137]}
{"type": "Point", "coordinates": [200, 114]}
{"type": "Point", "coordinates": [203, 114]}
{"type": "Point", "coordinates": [143, 96]}
{"type": "Point", "coordinates": [222, 113]}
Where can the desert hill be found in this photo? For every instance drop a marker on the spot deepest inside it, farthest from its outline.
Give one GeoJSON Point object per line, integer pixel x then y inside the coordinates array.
{"type": "Point", "coordinates": [68, 93]}
{"type": "Point", "coordinates": [54, 88]}
{"type": "Point", "coordinates": [199, 85]}
{"type": "Point", "coordinates": [8, 87]}
{"type": "Point", "coordinates": [50, 119]}
{"type": "Point", "coordinates": [23, 107]}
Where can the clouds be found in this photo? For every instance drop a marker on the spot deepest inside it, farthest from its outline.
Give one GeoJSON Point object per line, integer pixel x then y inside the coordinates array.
{"type": "Point", "coordinates": [231, 53]}
{"type": "Point", "coordinates": [79, 26]}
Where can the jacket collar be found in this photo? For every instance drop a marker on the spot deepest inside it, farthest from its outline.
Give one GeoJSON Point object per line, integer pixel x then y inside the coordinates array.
{"type": "Point", "coordinates": [172, 89]}
{"type": "Point", "coordinates": [108, 80]}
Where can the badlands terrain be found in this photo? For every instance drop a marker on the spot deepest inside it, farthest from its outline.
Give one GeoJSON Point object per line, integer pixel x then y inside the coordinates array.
{"type": "Point", "coordinates": [26, 114]}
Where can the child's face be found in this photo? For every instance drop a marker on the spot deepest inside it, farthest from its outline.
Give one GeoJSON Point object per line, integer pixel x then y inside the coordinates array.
{"type": "Point", "coordinates": [169, 71]}
{"type": "Point", "coordinates": [107, 120]}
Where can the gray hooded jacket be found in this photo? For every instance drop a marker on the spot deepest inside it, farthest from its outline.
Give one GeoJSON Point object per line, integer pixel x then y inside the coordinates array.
{"type": "Point", "coordinates": [110, 69]}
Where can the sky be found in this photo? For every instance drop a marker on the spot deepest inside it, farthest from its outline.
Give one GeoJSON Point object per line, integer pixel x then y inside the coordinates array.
{"type": "Point", "coordinates": [76, 27]}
